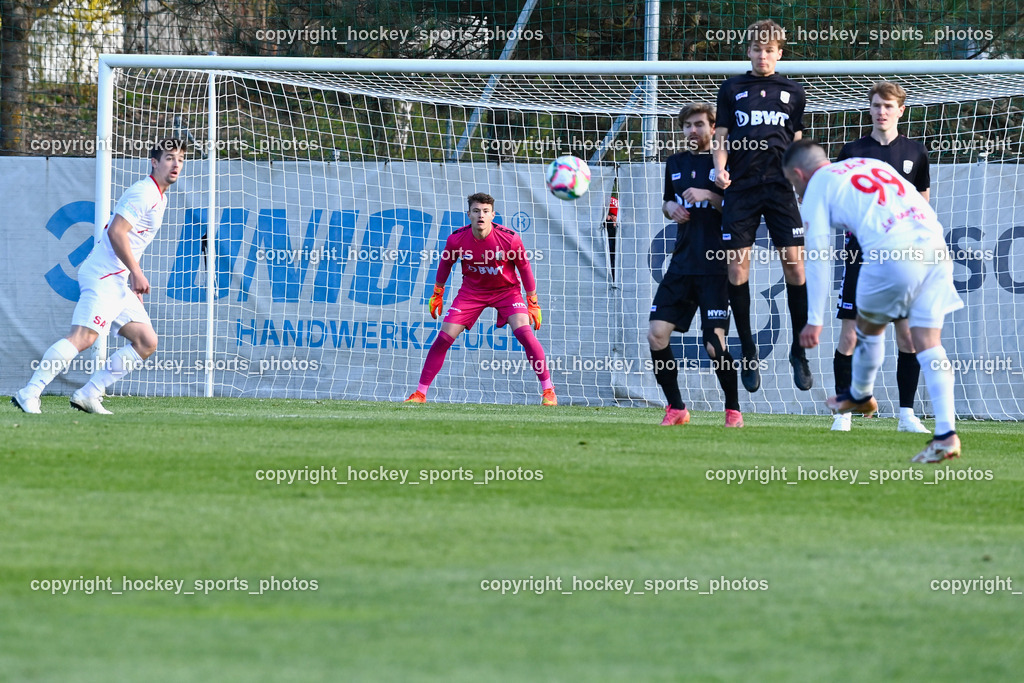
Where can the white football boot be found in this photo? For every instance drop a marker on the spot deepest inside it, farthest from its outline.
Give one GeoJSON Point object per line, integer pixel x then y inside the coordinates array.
{"type": "Point", "coordinates": [27, 401]}
{"type": "Point", "coordinates": [88, 405]}
{"type": "Point", "coordinates": [841, 422]}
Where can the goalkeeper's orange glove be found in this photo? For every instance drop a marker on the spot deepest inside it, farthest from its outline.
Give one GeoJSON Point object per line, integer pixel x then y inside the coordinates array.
{"type": "Point", "coordinates": [533, 308]}
{"type": "Point", "coordinates": [436, 301]}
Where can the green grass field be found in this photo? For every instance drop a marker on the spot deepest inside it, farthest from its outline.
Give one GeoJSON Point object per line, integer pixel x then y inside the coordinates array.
{"type": "Point", "coordinates": [168, 488]}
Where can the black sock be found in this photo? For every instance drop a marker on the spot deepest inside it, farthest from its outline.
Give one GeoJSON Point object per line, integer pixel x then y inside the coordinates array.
{"type": "Point", "coordinates": [842, 367]}
{"type": "Point", "coordinates": [796, 299]}
{"type": "Point", "coordinates": [725, 369]}
{"type": "Point", "coordinates": [739, 300]}
{"type": "Point", "coordinates": [667, 374]}
{"type": "Point", "coordinates": [908, 372]}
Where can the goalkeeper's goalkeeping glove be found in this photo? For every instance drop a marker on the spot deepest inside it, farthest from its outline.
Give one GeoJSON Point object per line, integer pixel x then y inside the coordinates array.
{"type": "Point", "coordinates": [533, 308]}
{"type": "Point", "coordinates": [436, 301]}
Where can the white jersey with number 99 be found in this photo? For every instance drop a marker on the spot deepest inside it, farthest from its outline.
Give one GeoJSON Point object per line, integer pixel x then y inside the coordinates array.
{"type": "Point", "coordinates": [870, 199]}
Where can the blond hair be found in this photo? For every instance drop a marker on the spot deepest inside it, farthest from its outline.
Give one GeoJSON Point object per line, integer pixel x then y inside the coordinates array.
{"type": "Point", "coordinates": [888, 90]}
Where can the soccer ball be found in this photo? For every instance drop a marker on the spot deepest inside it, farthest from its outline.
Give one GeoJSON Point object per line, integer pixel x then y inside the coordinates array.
{"type": "Point", "coordinates": [568, 177]}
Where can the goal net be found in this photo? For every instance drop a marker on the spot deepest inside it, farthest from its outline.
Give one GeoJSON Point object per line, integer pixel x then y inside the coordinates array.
{"type": "Point", "coordinates": [300, 246]}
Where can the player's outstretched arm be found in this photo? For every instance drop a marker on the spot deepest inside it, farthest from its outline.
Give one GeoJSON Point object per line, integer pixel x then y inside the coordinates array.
{"type": "Point", "coordinates": [118, 232]}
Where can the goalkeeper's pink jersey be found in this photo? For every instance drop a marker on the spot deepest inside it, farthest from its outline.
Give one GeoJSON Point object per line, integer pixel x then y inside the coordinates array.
{"type": "Point", "coordinates": [488, 265]}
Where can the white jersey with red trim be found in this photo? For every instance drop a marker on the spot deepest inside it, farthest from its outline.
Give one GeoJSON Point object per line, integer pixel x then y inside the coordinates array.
{"type": "Point", "coordinates": [871, 200]}
{"type": "Point", "coordinates": [142, 205]}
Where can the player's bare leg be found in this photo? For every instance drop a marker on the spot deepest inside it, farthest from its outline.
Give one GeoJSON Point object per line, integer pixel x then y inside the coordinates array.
{"type": "Point", "coordinates": [739, 302]}
{"type": "Point", "coordinates": [842, 367]}
{"type": "Point", "coordinates": [55, 361]}
{"type": "Point", "coordinates": [520, 324]}
{"type": "Point", "coordinates": [908, 373]}
{"type": "Point", "coordinates": [792, 259]}
{"type": "Point", "coordinates": [938, 377]}
{"type": "Point", "coordinates": [143, 344]}
{"type": "Point", "coordinates": [867, 359]}
{"type": "Point", "coordinates": [435, 359]}
{"type": "Point", "coordinates": [82, 337]}
{"type": "Point", "coordinates": [666, 373]}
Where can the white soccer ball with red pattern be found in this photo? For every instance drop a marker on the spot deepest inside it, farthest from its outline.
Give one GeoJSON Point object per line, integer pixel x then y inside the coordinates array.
{"type": "Point", "coordinates": [568, 177]}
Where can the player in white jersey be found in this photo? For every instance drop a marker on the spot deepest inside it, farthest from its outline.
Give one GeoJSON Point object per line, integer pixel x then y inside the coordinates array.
{"type": "Point", "coordinates": [907, 271]}
{"type": "Point", "coordinates": [112, 285]}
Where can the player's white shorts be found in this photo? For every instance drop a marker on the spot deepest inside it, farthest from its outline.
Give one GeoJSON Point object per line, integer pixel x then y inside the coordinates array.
{"type": "Point", "coordinates": [106, 304]}
{"type": "Point", "coordinates": [923, 292]}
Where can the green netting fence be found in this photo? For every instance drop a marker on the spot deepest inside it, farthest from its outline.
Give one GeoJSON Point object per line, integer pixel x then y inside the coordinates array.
{"type": "Point", "coordinates": [49, 48]}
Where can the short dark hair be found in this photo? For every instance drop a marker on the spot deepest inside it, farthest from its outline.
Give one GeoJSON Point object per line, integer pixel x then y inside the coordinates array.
{"type": "Point", "coordinates": [797, 154]}
{"type": "Point", "coordinates": [481, 198]}
{"type": "Point", "coordinates": [697, 108]}
{"type": "Point", "coordinates": [157, 149]}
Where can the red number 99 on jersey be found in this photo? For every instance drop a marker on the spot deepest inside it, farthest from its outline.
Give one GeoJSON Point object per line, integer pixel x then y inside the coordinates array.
{"type": "Point", "coordinates": [876, 182]}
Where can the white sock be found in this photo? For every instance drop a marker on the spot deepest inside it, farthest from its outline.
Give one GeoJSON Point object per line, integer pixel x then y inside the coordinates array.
{"type": "Point", "coordinates": [55, 361]}
{"type": "Point", "coordinates": [906, 413]}
{"type": "Point", "coordinates": [938, 378]}
{"type": "Point", "coordinates": [119, 365]}
{"type": "Point", "coordinates": [867, 359]}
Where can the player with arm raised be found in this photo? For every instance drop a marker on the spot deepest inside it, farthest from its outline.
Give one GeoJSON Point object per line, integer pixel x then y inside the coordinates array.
{"type": "Point", "coordinates": [759, 114]}
{"type": "Point", "coordinates": [697, 274]}
{"type": "Point", "coordinates": [906, 271]}
{"type": "Point", "coordinates": [112, 285]}
{"type": "Point", "coordinates": [490, 255]}
{"type": "Point", "coordinates": [910, 159]}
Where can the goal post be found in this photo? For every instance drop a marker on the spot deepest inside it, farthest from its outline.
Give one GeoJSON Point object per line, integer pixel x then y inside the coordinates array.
{"type": "Point", "coordinates": [300, 245]}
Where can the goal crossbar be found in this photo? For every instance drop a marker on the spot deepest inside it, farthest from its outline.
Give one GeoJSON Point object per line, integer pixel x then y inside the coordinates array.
{"type": "Point", "coordinates": [550, 67]}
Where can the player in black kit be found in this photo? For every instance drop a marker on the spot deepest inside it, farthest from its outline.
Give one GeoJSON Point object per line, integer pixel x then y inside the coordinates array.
{"type": "Point", "coordinates": [911, 160]}
{"type": "Point", "coordinates": [697, 274]}
{"type": "Point", "coordinates": [759, 114]}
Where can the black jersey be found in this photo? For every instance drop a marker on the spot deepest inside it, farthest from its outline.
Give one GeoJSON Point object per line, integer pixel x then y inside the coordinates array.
{"type": "Point", "coordinates": [703, 232]}
{"type": "Point", "coordinates": [905, 155]}
{"type": "Point", "coordinates": [762, 113]}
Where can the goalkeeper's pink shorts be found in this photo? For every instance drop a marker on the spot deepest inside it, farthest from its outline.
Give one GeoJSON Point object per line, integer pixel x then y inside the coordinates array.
{"type": "Point", "coordinates": [468, 306]}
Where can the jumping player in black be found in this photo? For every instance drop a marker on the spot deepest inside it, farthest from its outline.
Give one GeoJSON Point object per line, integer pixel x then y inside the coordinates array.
{"type": "Point", "coordinates": [759, 114]}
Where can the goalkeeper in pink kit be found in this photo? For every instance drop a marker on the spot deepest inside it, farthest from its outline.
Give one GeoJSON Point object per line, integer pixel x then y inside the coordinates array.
{"type": "Point", "coordinates": [490, 255]}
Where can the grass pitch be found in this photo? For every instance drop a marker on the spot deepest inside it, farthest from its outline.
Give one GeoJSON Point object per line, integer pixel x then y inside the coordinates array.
{"type": "Point", "coordinates": [827, 579]}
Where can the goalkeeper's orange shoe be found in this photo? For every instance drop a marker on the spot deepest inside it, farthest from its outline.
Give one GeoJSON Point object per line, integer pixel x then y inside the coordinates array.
{"type": "Point", "coordinates": [675, 417]}
{"type": "Point", "coordinates": [417, 397]}
{"type": "Point", "coordinates": [549, 398]}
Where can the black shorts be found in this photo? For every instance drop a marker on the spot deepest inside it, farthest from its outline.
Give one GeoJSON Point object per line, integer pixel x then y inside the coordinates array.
{"type": "Point", "coordinates": [679, 296]}
{"type": "Point", "coordinates": [846, 309]}
{"type": "Point", "coordinates": [742, 210]}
